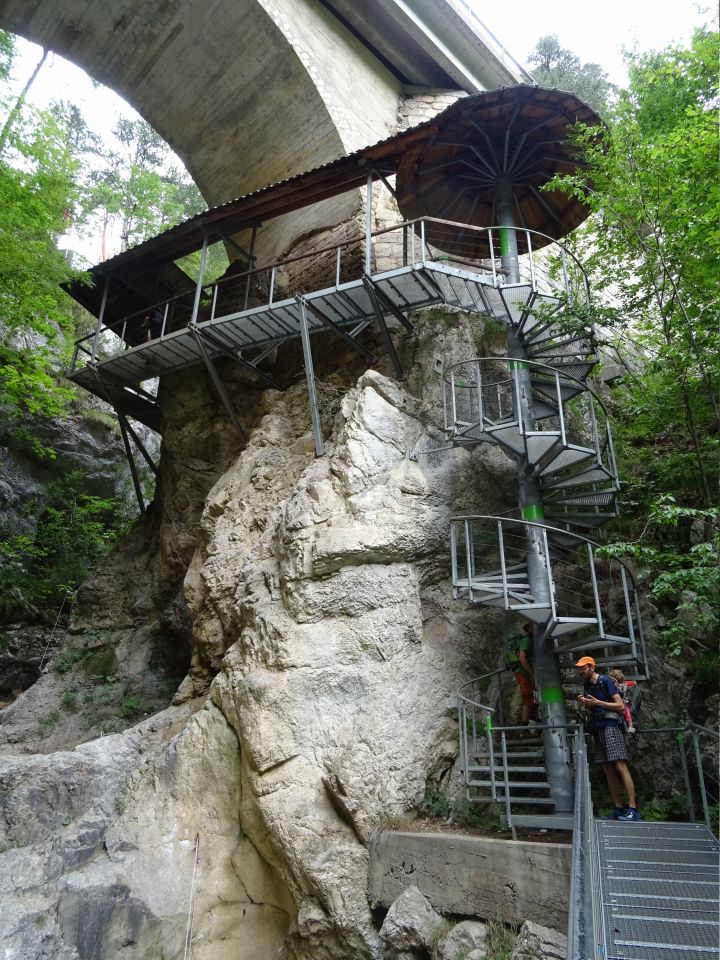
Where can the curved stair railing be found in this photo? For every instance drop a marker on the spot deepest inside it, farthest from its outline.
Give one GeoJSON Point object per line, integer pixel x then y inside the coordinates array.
{"type": "Point", "coordinates": [537, 406]}
{"type": "Point", "coordinates": [591, 604]}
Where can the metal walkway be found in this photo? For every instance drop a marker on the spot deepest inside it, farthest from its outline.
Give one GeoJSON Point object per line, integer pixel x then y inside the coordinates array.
{"type": "Point", "coordinates": [658, 895]}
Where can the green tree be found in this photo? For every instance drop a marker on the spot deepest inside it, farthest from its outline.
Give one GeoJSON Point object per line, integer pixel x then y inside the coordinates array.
{"type": "Point", "coordinates": [652, 247]}
{"type": "Point", "coordinates": [555, 66]}
{"type": "Point", "coordinates": [37, 191]}
{"type": "Point", "coordinates": [136, 190]}
{"type": "Point", "coordinates": [75, 530]}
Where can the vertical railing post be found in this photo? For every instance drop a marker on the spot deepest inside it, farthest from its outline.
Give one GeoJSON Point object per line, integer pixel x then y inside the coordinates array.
{"type": "Point", "coordinates": [503, 569]}
{"type": "Point", "coordinates": [272, 287]}
{"type": "Point", "coordinates": [680, 738]}
{"type": "Point", "coordinates": [251, 266]}
{"type": "Point", "coordinates": [462, 719]}
{"type": "Point", "coordinates": [550, 585]}
{"type": "Point", "coordinates": [628, 608]}
{"type": "Point", "coordinates": [531, 258]}
{"type": "Point", "coordinates": [101, 317]}
{"type": "Point", "coordinates": [453, 554]}
{"type": "Point", "coordinates": [561, 412]}
{"type": "Point", "coordinates": [166, 311]}
{"type": "Point", "coordinates": [468, 560]}
{"type": "Point", "coordinates": [481, 412]}
{"type": "Point", "coordinates": [199, 284]}
{"type": "Point", "coordinates": [368, 226]}
{"type": "Point", "coordinates": [214, 302]}
{"type": "Point", "coordinates": [422, 242]}
{"type": "Point", "coordinates": [701, 779]}
{"type": "Point", "coordinates": [337, 267]}
{"type": "Point", "coordinates": [596, 594]}
{"type": "Point", "coordinates": [506, 784]}
{"type": "Point", "coordinates": [492, 257]}
{"type": "Point", "coordinates": [453, 402]}
{"type": "Point", "coordinates": [594, 429]}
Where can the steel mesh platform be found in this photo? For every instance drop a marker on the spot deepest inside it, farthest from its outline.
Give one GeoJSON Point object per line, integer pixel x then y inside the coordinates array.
{"type": "Point", "coordinates": [659, 891]}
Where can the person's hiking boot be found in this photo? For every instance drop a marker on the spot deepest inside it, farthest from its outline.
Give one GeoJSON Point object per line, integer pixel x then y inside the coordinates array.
{"type": "Point", "coordinates": [616, 814]}
{"type": "Point", "coordinates": [629, 815]}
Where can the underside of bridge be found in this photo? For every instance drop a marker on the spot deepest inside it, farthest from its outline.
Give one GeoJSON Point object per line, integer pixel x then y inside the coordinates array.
{"type": "Point", "coordinates": [252, 92]}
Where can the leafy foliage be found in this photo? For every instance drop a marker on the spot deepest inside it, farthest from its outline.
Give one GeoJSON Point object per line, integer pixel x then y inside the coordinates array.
{"type": "Point", "coordinates": [555, 66]}
{"type": "Point", "coordinates": [651, 246]}
{"type": "Point", "coordinates": [37, 174]}
{"type": "Point", "coordinates": [73, 533]}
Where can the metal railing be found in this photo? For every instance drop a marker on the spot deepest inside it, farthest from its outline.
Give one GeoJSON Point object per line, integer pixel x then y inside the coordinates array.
{"type": "Point", "coordinates": [414, 243]}
{"type": "Point", "coordinates": [687, 740]}
{"type": "Point", "coordinates": [583, 911]}
{"type": "Point", "coordinates": [484, 393]}
{"type": "Point", "coordinates": [589, 598]}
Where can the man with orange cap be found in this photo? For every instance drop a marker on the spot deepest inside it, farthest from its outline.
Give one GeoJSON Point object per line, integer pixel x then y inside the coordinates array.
{"type": "Point", "coordinates": [603, 699]}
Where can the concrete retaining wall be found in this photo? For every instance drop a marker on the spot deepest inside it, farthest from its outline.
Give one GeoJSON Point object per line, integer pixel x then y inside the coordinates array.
{"type": "Point", "coordinates": [474, 876]}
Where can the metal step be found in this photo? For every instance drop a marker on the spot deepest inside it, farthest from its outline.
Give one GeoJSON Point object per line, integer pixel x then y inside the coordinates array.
{"type": "Point", "coordinates": [547, 821]}
{"type": "Point", "coordinates": [513, 784]}
{"type": "Point", "coordinates": [500, 767]}
{"type": "Point", "coordinates": [592, 474]}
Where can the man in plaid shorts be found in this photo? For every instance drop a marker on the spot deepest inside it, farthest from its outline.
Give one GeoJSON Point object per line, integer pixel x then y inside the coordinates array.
{"type": "Point", "coordinates": [602, 697]}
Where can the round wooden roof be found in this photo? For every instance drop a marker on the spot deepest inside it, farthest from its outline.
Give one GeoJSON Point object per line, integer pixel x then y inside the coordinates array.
{"type": "Point", "coordinates": [519, 133]}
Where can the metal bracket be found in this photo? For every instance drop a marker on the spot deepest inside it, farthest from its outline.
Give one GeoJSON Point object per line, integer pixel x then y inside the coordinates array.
{"type": "Point", "coordinates": [217, 382]}
{"type": "Point", "coordinates": [310, 377]}
{"type": "Point", "coordinates": [368, 284]}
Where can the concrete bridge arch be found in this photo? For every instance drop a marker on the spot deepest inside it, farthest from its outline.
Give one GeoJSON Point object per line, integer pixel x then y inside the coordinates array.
{"type": "Point", "coordinates": [247, 93]}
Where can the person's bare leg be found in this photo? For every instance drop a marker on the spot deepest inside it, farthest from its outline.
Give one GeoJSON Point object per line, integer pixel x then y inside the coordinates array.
{"type": "Point", "coordinates": [621, 771]}
{"type": "Point", "coordinates": [613, 783]}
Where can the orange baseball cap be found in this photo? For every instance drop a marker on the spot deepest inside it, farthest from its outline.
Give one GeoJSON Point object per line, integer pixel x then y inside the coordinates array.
{"type": "Point", "coordinates": [585, 662]}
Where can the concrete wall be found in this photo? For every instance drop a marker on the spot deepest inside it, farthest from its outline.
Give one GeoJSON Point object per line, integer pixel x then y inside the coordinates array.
{"type": "Point", "coordinates": [474, 876]}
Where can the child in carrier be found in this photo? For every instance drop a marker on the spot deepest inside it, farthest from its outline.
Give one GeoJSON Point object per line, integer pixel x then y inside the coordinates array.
{"type": "Point", "coordinates": [623, 686]}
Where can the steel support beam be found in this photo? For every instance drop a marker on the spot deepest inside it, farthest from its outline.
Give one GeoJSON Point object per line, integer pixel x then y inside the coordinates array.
{"type": "Point", "coordinates": [217, 382]}
{"type": "Point", "coordinates": [131, 462]}
{"type": "Point", "coordinates": [380, 317]}
{"type": "Point", "coordinates": [547, 669]}
{"type": "Point", "coordinates": [138, 443]}
{"type": "Point", "coordinates": [310, 377]}
{"type": "Point", "coordinates": [321, 315]}
{"type": "Point", "coordinates": [238, 358]}
{"type": "Point", "coordinates": [391, 307]}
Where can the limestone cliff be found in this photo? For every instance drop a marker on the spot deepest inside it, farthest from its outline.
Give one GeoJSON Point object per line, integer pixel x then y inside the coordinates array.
{"type": "Point", "coordinates": [326, 650]}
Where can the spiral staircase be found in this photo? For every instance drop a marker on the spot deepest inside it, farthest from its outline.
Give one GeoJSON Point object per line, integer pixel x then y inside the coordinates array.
{"type": "Point", "coordinates": [540, 564]}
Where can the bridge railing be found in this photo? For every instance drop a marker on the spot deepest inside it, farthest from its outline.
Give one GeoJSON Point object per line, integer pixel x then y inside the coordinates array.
{"type": "Point", "coordinates": [413, 243]}
{"type": "Point", "coordinates": [699, 779]}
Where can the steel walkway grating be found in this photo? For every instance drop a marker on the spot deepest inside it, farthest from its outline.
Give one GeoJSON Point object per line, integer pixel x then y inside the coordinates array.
{"type": "Point", "coordinates": [659, 891]}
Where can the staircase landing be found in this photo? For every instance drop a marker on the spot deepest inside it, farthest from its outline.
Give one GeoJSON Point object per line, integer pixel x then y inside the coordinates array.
{"type": "Point", "coordinates": [659, 891]}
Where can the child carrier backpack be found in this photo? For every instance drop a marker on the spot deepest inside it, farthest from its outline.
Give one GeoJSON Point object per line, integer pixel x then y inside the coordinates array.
{"type": "Point", "coordinates": [511, 651]}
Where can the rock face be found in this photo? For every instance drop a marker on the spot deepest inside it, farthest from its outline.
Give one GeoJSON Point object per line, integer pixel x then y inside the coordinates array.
{"type": "Point", "coordinates": [324, 626]}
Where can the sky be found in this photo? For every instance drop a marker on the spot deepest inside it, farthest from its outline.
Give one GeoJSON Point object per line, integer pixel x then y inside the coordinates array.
{"type": "Point", "coordinates": [595, 31]}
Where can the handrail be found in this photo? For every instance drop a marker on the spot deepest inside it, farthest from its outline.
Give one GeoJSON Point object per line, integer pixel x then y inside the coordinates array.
{"type": "Point", "coordinates": [527, 363]}
{"type": "Point", "coordinates": [548, 527]}
{"type": "Point", "coordinates": [581, 912]}
{"type": "Point", "coordinates": [270, 268]}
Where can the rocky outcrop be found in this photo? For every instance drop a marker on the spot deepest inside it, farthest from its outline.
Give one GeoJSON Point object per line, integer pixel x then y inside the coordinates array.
{"type": "Point", "coordinates": [322, 624]}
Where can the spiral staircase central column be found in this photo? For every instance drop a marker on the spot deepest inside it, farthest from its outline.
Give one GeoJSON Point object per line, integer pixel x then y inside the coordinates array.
{"type": "Point", "coordinates": [547, 670]}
